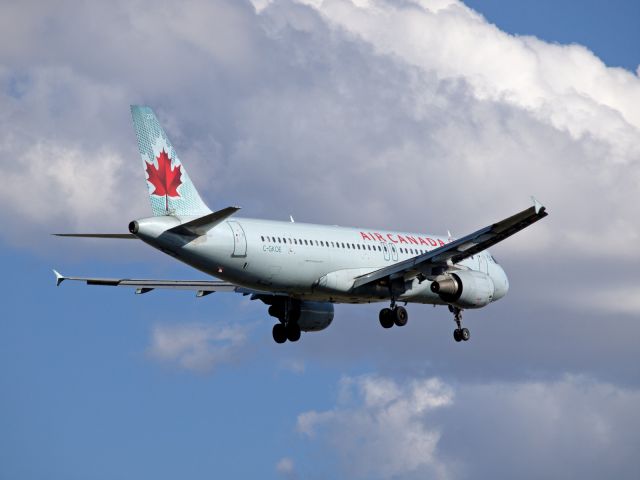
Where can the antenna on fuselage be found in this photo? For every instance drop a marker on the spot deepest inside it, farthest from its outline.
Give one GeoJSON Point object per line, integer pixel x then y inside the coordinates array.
{"type": "Point", "coordinates": [291, 218]}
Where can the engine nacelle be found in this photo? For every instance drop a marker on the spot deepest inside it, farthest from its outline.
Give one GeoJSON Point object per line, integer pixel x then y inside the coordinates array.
{"type": "Point", "coordinates": [310, 316]}
{"type": "Point", "coordinates": [315, 316]}
{"type": "Point", "coordinates": [464, 288]}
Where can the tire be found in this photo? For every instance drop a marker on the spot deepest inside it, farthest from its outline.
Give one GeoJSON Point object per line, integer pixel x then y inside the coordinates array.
{"type": "Point", "coordinates": [386, 318]}
{"type": "Point", "coordinates": [457, 335]}
{"type": "Point", "coordinates": [293, 332]}
{"type": "Point", "coordinates": [465, 334]}
{"type": "Point", "coordinates": [400, 316]}
{"type": "Point", "coordinates": [279, 333]}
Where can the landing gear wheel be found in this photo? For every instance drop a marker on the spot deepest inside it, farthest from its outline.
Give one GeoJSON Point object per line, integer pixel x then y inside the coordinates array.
{"type": "Point", "coordinates": [293, 332]}
{"type": "Point", "coordinates": [465, 334]}
{"type": "Point", "coordinates": [279, 333]}
{"type": "Point", "coordinates": [386, 318]}
{"type": "Point", "coordinates": [457, 334]}
{"type": "Point", "coordinates": [400, 316]}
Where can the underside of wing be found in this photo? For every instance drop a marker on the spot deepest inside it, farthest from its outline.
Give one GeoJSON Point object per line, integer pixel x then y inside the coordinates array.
{"type": "Point", "coordinates": [201, 287]}
{"type": "Point", "coordinates": [457, 250]}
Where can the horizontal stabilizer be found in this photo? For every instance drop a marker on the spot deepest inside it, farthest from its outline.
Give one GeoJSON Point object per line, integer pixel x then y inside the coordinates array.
{"type": "Point", "coordinates": [201, 225]}
{"type": "Point", "coordinates": [128, 236]}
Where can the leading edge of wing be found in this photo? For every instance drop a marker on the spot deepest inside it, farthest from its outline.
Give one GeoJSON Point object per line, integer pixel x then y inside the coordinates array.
{"type": "Point", "coordinates": [462, 248]}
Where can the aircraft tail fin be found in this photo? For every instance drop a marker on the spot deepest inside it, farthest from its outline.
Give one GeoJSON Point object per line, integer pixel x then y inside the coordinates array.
{"type": "Point", "coordinates": [170, 189]}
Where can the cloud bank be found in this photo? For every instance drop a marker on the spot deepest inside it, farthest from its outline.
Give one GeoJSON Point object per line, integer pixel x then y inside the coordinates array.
{"type": "Point", "coordinates": [384, 428]}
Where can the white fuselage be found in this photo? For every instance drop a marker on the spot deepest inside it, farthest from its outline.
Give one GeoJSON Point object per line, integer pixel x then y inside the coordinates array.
{"type": "Point", "coordinates": [307, 261]}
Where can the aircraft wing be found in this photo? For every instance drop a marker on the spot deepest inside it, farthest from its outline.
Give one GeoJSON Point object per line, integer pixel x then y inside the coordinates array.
{"type": "Point", "coordinates": [126, 236]}
{"type": "Point", "coordinates": [201, 287]}
{"type": "Point", "coordinates": [457, 250]}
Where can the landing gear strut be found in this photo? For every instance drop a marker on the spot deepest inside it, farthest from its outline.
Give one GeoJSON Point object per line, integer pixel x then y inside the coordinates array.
{"type": "Point", "coordinates": [460, 333]}
{"type": "Point", "coordinates": [396, 315]}
{"type": "Point", "coordinates": [288, 313]}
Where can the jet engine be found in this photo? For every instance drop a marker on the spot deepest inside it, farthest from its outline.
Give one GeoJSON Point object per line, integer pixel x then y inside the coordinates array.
{"type": "Point", "coordinates": [464, 288]}
{"type": "Point", "coordinates": [310, 316]}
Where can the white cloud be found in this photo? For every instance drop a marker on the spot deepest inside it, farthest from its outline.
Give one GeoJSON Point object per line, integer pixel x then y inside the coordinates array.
{"type": "Point", "coordinates": [613, 299]}
{"type": "Point", "coordinates": [59, 167]}
{"type": "Point", "coordinates": [197, 347]}
{"type": "Point", "coordinates": [565, 84]}
{"type": "Point", "coordinates": [424, 428]}
{"type": "Point", "coordinates": [380, 428]}
{"type": "Point", "coordinates": [293, 365]}
{"type": "Point", "coordinates": [285, 467]}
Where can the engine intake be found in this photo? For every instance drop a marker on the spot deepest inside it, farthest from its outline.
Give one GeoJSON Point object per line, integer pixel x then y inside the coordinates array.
{"type": "Point", "coordinates": [449, 286]}
{"type": "Point", "coordinates": [465, 288]}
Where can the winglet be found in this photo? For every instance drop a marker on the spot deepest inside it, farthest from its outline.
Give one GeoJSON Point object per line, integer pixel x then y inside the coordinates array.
{"type": "Point", "coordinates": [537, 205]}
{"type": "Point", "coordinates": [59, 278]}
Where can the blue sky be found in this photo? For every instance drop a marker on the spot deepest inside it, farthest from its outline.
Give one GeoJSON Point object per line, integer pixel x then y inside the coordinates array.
{"type": "Point", "coordinates": [607, 29]}
{"type": "Point", "coordinates": [310, 109]}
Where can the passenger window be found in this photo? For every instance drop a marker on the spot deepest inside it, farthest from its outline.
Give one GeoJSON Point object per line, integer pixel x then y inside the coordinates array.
{"type": "Point", "coordinates": [305, 242]}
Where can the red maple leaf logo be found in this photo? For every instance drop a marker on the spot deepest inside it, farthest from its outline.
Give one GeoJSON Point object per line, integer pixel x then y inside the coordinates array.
{"type": "Point", "coordinates": [164, 180]}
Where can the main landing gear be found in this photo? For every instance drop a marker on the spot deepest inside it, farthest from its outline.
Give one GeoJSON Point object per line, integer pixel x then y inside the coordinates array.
{"type": "Point", "coordinates": [283, 332]}
{"type": "Point", "coordinates": [396, 315]}
{"type": "Point", "coordinates": [459, 334]}
{"type": "Point", "coordinates": [288, 314]}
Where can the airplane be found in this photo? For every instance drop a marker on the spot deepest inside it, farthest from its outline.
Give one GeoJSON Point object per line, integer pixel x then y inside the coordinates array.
{"type": "Point", "coordinates": [301, 270]}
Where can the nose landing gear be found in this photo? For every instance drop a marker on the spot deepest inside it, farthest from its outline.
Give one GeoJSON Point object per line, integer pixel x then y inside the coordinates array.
{"type": "Point", "coordinates": [460, 333]}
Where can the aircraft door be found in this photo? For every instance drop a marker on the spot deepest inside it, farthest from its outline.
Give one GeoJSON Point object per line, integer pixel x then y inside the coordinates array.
{"type": "Point", "coordinates": [385, 251]}
{"type": "Point", "coordinates": [394, 252]}
{"type": "Point", "coordinates": [239, 239]}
